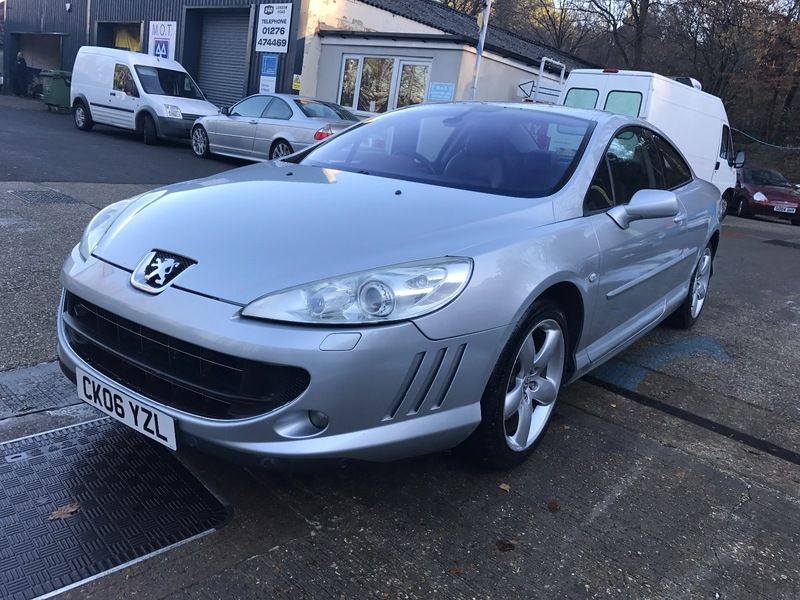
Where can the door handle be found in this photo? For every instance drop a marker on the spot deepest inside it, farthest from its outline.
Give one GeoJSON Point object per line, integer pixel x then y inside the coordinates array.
{"type": "Point", "coordinates": [254, 122]}
{"type": "Point", "coordinates": [112, 93]}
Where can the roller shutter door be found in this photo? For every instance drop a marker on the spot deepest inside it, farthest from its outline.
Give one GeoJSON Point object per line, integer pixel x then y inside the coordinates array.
{"type": "Point", "coordinates": [222, 73]}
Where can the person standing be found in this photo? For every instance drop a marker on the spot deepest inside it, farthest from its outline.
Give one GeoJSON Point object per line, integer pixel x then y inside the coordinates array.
{"type": "Point", "coordinates": [20, 75]}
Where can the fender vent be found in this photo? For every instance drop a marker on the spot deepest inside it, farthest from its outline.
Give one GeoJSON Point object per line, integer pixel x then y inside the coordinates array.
{"type": "Point", "coordinates": [427, 382]}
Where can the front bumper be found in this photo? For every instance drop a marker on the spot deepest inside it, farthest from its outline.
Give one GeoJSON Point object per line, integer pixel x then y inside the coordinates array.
{"type": "Point", "coordinates": [394, 394]}
{"type": "Point", "coordinates": [175, 128]}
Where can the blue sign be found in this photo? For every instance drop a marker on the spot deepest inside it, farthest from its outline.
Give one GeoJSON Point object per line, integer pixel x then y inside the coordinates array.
{"type": "Point", "coordinates": [269, 65]}
{"type": "Point", "coordinates": [441, 92]}
{"type": "Point", "coordinates": [161, 48]}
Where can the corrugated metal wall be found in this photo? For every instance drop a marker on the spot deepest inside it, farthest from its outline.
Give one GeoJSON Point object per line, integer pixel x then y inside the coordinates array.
{"type": "Point", "coordinates": [50, 16]}
{"type": "Point", "coordinates": [222, 73]}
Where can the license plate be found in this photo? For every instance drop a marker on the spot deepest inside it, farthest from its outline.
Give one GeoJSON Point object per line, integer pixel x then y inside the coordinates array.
{"type": "Point", "coordinates": [152, 423]}
{"type": "Point", "coordinates": [786, 209]}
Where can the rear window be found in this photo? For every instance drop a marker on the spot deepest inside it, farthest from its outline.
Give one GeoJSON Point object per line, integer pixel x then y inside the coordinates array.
{"type": "Point", "coordinates": [324, 110]}
{"type": "Point", "coordinates": [581, 98]}
{"type": "Point", "coordinates": [624, 103]}
{"type": "Point", "coordinates": [501, 150]}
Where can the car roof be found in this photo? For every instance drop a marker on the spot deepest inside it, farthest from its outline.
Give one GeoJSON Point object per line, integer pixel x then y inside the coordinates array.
{"type": "Point", "coordinates": [134, 58]}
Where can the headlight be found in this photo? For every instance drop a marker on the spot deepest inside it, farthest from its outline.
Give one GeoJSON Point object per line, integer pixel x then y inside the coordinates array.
{"type": "Point", "coordinates": [98, 226]}
{"type": "Point", "coordinates": [173, 111]}
{"type": "Point", "coordinates": [388, 294]}
{"type": "Point", "coordinates": [759, 197]}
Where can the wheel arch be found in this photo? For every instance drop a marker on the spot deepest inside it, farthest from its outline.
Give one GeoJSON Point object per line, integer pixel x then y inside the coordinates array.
{"type": "Point", "coordinates": [81, 98]}
{"type": "Point", "coordinates": [569, 298]}
{"type": "Point", "coordinates": [139, 120]}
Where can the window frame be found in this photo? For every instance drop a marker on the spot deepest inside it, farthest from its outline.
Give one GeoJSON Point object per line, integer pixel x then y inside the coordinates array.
{"type": "Point", "coordinates": [727, 145]}
{"type": "Point", "coordinates": [641, 99]}
{"type": "Point", "coordinates": [394, 86]}
{"type": "Point", "coordinates": [650, 134]}
{"type": "Point", "coordinates": [269, 98]}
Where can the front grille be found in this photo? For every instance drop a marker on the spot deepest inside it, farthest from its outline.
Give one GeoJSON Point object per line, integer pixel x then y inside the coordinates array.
{"type": "Point", "coordinates": [175, 373]}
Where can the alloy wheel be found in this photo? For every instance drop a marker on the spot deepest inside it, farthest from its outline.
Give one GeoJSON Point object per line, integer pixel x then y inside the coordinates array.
{"type": "Point", "coordinates": [702, 277]}
{"type": "Point", "coordinates": [199, 141]}
{"type": "Point", "coordinates": [281, 149]}
{"type": "Point", "coordinates": [534, 384]}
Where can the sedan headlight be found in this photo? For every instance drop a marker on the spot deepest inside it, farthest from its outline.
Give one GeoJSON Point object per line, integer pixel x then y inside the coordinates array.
{"type": "Point", "coordinates": [759, 197]}
{"type": "Point", "coordinates": [173, 111]}
{"type": "Point", "coordinates": [98, 226]}
{"type": "Point", "coordinates": [388, 294]}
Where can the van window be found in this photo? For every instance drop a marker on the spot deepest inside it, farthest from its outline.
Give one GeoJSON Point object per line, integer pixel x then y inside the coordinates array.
{"type": "Point", "coordinates": [123, 81]}
{"type": "Point", "coordinates": [167, 82]}
{"type": "Point", "coordinates": [624, 103]}
{"type": "Point", "coordinates": [676, 171]}
{"type": "Point", "coordinates": [581, 98]}
{"type": "Point", "coordinates": [726, 147]}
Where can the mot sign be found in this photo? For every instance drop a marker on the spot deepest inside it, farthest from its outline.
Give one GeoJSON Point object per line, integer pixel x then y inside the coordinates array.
{"type": "Point", "coordinates": [161, 41]}
{"type": "Point", "coordinates": [273, 24]}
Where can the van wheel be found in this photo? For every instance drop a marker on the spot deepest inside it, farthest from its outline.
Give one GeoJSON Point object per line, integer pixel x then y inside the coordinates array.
{"type": "Point", "coordinates": [149, 132]}
{"type": "Point", "coordinates": [519, 398]}
{"type": "Point", "coordinates": [200, 141]}
{"type": "Point", "coordinates": [81, 116]}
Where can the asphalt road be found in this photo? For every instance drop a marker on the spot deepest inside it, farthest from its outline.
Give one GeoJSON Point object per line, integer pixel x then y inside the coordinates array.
{"type": "Point", "coordinates": [672, 472]}
{"type": "Point", "coordinates": [36, 145]}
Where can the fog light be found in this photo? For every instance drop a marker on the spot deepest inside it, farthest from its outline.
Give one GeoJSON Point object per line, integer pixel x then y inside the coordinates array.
{"type": "Point", "coordinates": [318, 419]}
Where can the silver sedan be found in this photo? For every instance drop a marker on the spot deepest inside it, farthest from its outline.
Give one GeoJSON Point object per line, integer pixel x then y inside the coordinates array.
{"type": "Point", "coordinates": [427, 279]}
{"type": "Point", "coordinates": [268, 126]}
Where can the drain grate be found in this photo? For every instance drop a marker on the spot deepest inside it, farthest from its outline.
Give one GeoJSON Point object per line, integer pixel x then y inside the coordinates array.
{"type": "Point", "coordinates": [784, 243]}
{"type": "Point", "coordinates": [134, 498]}
{"type": "Point", "coordinates": [44, 197]}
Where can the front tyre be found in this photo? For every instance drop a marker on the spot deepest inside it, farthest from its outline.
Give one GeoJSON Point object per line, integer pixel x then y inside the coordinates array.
{"type": "Point", "coordinates": [200, 142]}
{"type": "Point", "coordinates": [518, 401]}
{"type": "Point", "coordinates": [689, 311]}
{"type": "Point", "coordinates": [149, 131]}
{"type": "Point", "coordinates": [81, 116]}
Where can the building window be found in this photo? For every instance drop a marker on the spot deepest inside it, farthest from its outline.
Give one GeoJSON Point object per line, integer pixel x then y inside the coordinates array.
{"type": "Point", "coordinates": [377, 84]}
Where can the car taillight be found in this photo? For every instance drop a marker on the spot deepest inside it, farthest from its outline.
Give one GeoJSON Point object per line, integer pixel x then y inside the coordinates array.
{"type": "Point", "coordinates": [323, 133]}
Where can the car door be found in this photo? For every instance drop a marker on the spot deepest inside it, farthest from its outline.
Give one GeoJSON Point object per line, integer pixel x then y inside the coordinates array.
{"type": "Point", "coordinates": [274, 123]}
{"type": "Point", "coordinates": [123, 98]}
{"type": "Point", "coordinates": [640, 265]}
{"type": "Point", "coordinates": [236, 131]}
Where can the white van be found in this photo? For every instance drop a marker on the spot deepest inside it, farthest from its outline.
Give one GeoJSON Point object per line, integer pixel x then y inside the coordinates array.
{"type": "Point", "coordinates": [131, 90]}
{"type": "Point", "coordinates": [694, 120]}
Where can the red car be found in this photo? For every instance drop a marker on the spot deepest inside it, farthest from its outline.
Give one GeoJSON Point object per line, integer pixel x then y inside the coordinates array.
{"type": "Point", "coordinates": [766, 192]}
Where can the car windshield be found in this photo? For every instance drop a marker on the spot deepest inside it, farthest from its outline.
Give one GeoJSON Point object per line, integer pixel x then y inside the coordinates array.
{"type": "Point", "coordinates": [324, 110]}
{"type": "Point", "coordinates": [166, 82]}
{"type": "Point", "coordinates": [511, 151]}
{"type": "Point", "coordinates": [767, 177]}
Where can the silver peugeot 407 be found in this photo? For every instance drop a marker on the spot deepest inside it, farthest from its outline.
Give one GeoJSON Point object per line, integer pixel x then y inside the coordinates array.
{"type": "Point", "coordinates": [428, 279]}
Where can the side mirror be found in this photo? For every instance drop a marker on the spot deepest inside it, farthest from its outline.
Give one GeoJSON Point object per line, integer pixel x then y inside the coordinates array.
{"type": "Point", "coordinates": [224, 110]}
{"type": "Point", "coordinates": [645, 204]}
{"type": "Point", "coordinates": [739, 162]}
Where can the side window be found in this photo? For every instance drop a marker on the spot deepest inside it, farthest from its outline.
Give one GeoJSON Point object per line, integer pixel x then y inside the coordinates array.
{"type": "Point", "coordinates": [123, 81]}
{"type": "Point", "coordinates": [726, 147]}
{"type": "Point", "coordinates": [581, 98]}
{"type": "Point", "coordinates": [251, 107]}
{"type": "Point", "coordinates": [629, 158]}
{"type": "Point", "coordinates": [278, 110]}
{"type": "Point", "coordinates": [676, 171]}
{"type": "Point", "coordinates": [600, 195]}
{"type": "Point", "coordinates": [624, 103]}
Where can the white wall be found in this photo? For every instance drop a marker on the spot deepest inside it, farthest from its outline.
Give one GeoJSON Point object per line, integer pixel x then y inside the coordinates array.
{"type": "Point", "coordinates": [498, 78]}
{"type": "Point", "coordinates": [350, 15]}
